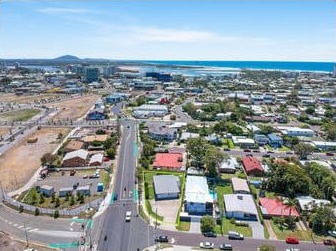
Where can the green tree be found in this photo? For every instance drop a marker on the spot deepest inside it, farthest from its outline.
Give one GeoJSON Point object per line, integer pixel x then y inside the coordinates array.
{"type": "Point", "coordinates": [48, 158]}
{"type": "Point", "coordinates": [42, 200]}
{"type": "Point", "coordinates": [57, 202]}
{"type": "Point", "coordinates": [291, 204]}
{"type": "Point", "coordinates": [56, 214]}
{"type": "Point", "coordinates": [72, 200]}
{"type": "Point", "coordinates": [53, 198]}
{"type": "Point", "coordinates": [212, 160]}
{"type": "Point", "coordinates": [208, 224]}
{"type": "Point", "coordinates": [310, 110]}
{"type": "Point", "coordinates": [111, 152]}
{"type": "Point", "coordinates": [37, 211]}
{"type": "Point", "coordinates": [197, 148]}
{"type": "Point", "coordinates": [303, 150]}
{"type": "Point", "coordinates": [323, 219]}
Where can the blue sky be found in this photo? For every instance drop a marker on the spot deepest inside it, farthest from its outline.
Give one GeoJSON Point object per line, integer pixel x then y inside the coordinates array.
{"type": "Point", "coordinates": [302, 30]}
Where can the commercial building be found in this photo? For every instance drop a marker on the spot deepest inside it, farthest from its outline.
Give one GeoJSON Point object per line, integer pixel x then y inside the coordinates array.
{"type": "Point", "coordinates": [240, 207]}
{"type": "Point", "coordinates": [166, 187]}
{"type": "Point", "coordinates": [162, 77]}
{"type": "Point", "coordinates": [198, 200]}
{"type": "Point", "coordinates": [91, 74]}
{"type": "Point", "coordinates": [145, 111]}
{"type": "Point", "coordinates": [161, 132]}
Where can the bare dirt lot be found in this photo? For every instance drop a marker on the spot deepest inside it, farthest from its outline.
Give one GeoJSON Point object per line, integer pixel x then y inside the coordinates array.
{"type": "Point", "coordinates": [7, 243]}
{"type": "Point", "coordinates": [11, 97]}
{"type": "Point", "coordinates": [19, 163]}
{"type": "Point", "coordinates": [4, 131]}
{"type": "Point", "coordinates": [75, 108]}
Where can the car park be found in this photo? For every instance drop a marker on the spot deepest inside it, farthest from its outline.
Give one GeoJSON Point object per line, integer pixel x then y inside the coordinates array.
{"type": "Point", "coordinates": [225, 246]}
{"type": "Point", "coordinates": [207, 245]}
{"type": "Point", "coordinates": [292, 240]}
{"type": "Point", "coordinates": [210, 234]}
{"type": "Point", "coordinates": [161, 238]}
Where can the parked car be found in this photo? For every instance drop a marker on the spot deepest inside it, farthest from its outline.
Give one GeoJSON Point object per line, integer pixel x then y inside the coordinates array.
{"type": "Point", "coordinates": [161, 238]}
{"type": "Point", "coordinates": [332, 233]}
{"type": "Point", "coordinates": [247, 150]}
{"type": "Point", "coordinates": [210, 234]}
{"type": "Point", "coordinates": [207, 245]}
{"type": "Point", "coordinates": [292, 240]}
{"type": "Point", "coordinates": [227, 149]}
{"type": "Point", "coordinates": [225, 246]}
{"type": "Point", "coordinates": [266, 155]}
{"type": "Point", "coordinates": [330, 154]}
{"type": "Point", "coordinates": [292, 249]}
{"type": "Point", "coordinates": [329, 242]}
{"type": "Point", "coordinates": [235, 235]}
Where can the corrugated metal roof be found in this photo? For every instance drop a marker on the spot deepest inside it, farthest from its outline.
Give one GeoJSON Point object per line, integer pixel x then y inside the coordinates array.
{"type": "Point", "coordinates": [165, 184]}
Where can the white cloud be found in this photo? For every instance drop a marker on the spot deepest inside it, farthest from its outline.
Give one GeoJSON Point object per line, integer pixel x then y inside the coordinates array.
{"type": "Point", "coordinates": [52, 10]}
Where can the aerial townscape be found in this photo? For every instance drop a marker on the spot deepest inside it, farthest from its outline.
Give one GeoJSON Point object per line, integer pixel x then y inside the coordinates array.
{"type": "Point", "coordinates": [101, 154]}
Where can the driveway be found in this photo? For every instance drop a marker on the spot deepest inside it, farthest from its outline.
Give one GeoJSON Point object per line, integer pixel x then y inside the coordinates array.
{"type": "Point", "coordinates": [257, 229]}
{"type": "Point", "coordinates": [195, 225]}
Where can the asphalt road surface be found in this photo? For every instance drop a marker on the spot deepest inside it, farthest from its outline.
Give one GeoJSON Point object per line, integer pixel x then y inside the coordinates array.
{"type": "Point", "coordinates": [115, 232]}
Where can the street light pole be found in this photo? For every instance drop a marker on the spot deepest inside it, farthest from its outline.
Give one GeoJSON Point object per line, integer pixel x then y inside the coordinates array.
{"type": "Point", "coordinates": [26, 234]}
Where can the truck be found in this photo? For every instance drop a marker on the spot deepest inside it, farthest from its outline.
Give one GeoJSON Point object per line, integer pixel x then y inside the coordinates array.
{"type": "Point", "coordinates": [235, 235]}
{"type": "Point", "coordinates": [128, 216]}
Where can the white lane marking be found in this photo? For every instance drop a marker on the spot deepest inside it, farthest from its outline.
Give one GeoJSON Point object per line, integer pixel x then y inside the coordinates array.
{"type": "Point", "coordinates": [20, 227]}
{"type": "Point", "coordinates": [15, 225]}
{"type": "Point", "coordinates": [33, 230]}
{"type": "Point", "coordinates": [122, 174]}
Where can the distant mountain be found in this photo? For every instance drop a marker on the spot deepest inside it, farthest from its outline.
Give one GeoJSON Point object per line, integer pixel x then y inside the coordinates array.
{"type": "Point", "coordinates": [67, 58]}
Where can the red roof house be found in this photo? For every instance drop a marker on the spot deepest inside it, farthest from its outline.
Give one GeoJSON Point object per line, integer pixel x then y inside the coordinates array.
{"type": "Point", "coordinates": [274, 207]}
{"type": "Point", "coordinates": [252, 166]}
{"type": "Point", "coordinates": [170, 161]}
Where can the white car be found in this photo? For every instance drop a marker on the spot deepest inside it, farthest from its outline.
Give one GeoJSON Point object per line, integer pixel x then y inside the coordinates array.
{"type": "Point", "coordinates": [207, 245]}
{"type": "Point", "coordinates": [128, 216]}
{"type": "Point", "coordinates": [332, 233]}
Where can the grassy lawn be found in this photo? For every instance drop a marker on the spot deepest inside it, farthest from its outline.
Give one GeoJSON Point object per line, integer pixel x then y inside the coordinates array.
{"type": "Point", "coordinates": [231, 144]}
{"type": "Point", "coordinates": [183, 226]}
{"type": "Point", "coordinates": [228, 226]}
{"type": "Point", "coordinates": [301, 234]}
{"type": "Point", "coordinates": [151, 212]}
{"type": "Point", "coordinates": [19, 115]}
{"type": "Point", "coordinates": [284, 149]}
{"type": "Point", "coordinates": [221, 190]}
{"type": "Point", "coordinates": [105, 179]}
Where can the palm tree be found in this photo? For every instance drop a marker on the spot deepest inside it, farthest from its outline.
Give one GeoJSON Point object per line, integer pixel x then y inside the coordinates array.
{"type": "Point", "coordinates": [291, 204]}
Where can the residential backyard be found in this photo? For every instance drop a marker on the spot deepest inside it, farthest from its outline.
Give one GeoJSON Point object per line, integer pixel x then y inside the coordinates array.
{"type": "Point", "coordinates": [228, 225]}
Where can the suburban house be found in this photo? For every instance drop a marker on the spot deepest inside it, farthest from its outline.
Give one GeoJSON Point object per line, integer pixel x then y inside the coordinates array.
{"type": "Point", "coordinates": [197, 198]}
{"type": "Point", "coordinates": [261, 139]}
{"type": "Point", "coordinates": [243, 142]}
{"type": "Point", "coordinates": [252, 166]}
{"type": "Point", "coordinates": [275, 140]}
{"type": "Point", "coordinates": [188, 135]}
{"type": "Point", "coordinates": [274, 207]}
{"type": "Point", "coordinates": [240, 186]}
{"type": "Point", "coordinates": [229, 165]}
{"type": "Point", "coordinates": [96, 159]}
{"type": "Point", "coordinates": [296, 131]}
{"type": "Point", "coordinates": [73, 145]}
{"type": "Point", "coordinates": [324, 145]}
{"type": "Point", "coordinates": [96, 114]}
{"type": "Point", "coordinates": [46, 190]}
{"type": "Point", "coordinates": [240, 207]}
{"type": "Point", "coordinates": [308, 203]}
{"type": "Point", "coordinates": [116, 97]}
{"type": "Point", "coordinates": [169, 161]}
{"type": "Point", "coordinates": [166, 187]}
{"type": "Point", "coordinates": [161, 132]}
{"type": "Point", "coordinates": [76, 158]}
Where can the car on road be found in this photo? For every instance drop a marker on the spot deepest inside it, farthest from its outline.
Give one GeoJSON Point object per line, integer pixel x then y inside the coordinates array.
{"type": "Point", "coordinates": [266, 155]}
{"type": "Point", "coordinates": [292, 249]}
{"type": "Point", "coordinates": [329, 242]}
{"type": "Point", "coordinates": [247, 150]}
{"type": "Point", "coordinates": [292, 240]}
{"type": "Point", "coordinates": [210, 234]}
{"type": "Point", "coordinates": [270, 151]}
{"type": "Point", "coordinates": [235, 235]}
{"type": "Point", "coordinates": [161, 238]}
{"type": "Point", "coordinates": [128, 216]}
{"type": "Point", "coordinates": [225, 246]}
{"type": "Point", "coordinates": [207, 245]}
{"type": "Point", "coordinates": [227, 149]}
{"type": "Point", "coordinates": [256, 151]}
{"type": "Point", "coordinates": [128, 126]}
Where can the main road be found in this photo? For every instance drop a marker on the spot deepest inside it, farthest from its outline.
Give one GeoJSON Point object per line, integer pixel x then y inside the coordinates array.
{"type": "Point", "coordinates": [110, 230]}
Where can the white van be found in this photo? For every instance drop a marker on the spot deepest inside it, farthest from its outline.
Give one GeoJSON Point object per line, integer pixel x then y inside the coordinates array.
{"type": "Point", "coordinates": [235, 236]}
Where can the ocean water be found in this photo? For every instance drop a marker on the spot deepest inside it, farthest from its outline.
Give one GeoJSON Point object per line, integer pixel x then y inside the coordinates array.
{"type": "Point", "coordinates": [266, 65]}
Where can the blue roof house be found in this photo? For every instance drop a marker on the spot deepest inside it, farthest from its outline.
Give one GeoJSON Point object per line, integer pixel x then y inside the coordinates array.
{"type": "Point", "coordinates": [275, 140]}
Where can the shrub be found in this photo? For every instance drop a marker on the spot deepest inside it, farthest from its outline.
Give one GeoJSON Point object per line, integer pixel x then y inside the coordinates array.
{"type": "Point", "coordinates": [21, 209]}
{"type": "Point", "coordinates": [56, 214]}
{"type": "Point", "coordinates": [37, 211]}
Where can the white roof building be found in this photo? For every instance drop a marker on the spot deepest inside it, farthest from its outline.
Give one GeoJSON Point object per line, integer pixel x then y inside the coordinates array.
{"type": "Point", "coordinates": [83, 154]}
{"type": "Point", "coordinates": [240, 206]}
{"type": "Point", "coordinates": [197, 190]}
{"type": "Point", "coordinates": [308, 203]}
